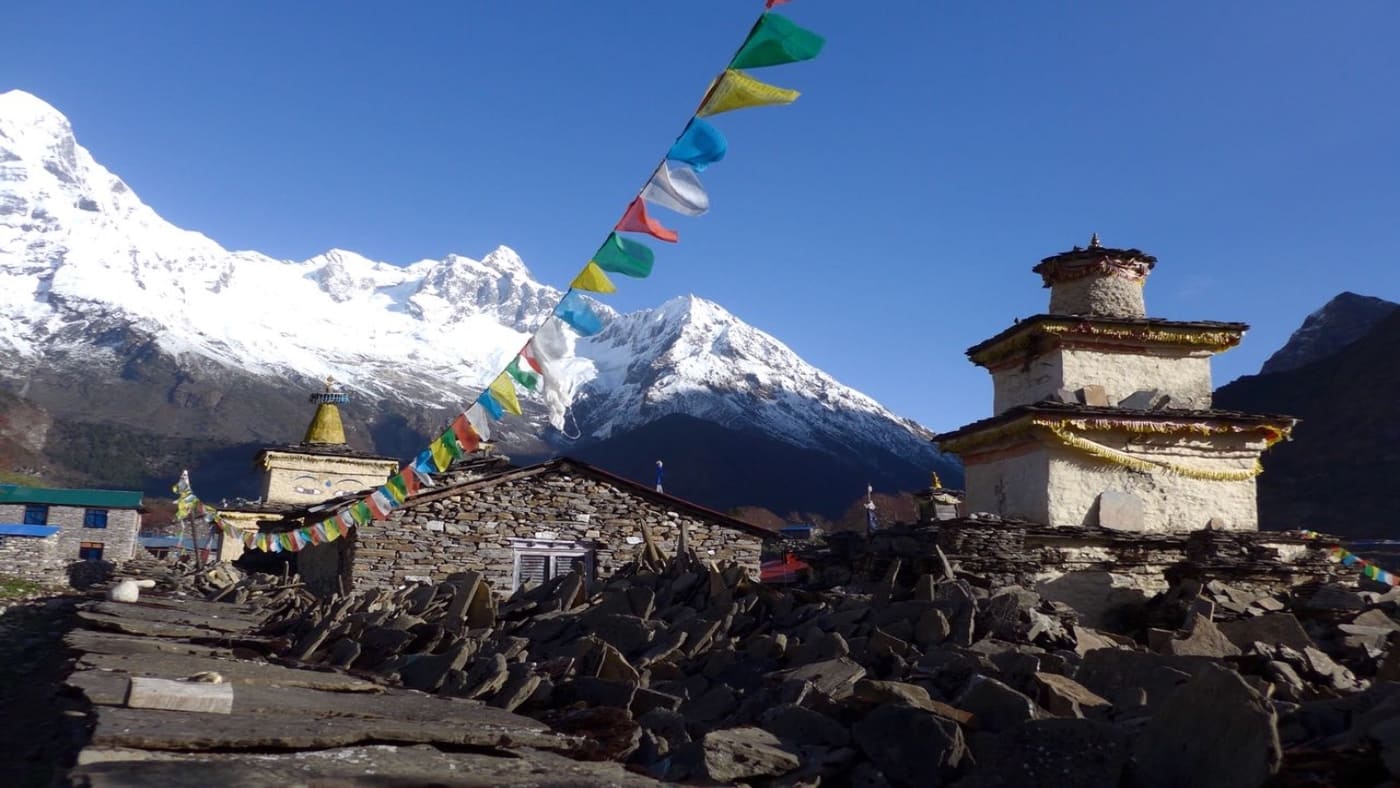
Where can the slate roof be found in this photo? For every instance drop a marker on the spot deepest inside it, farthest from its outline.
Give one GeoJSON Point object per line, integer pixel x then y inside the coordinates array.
{"type": "Point", "coordinates": [1030, 324]}
{"type": "Point", "coordinates": [1073, 410]}
{"type": "Point", "coordinates": [568, 463]}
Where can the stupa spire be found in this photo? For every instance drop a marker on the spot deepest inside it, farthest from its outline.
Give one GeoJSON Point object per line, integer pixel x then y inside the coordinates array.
{"type": "Point", "coordinates": [326, 427]}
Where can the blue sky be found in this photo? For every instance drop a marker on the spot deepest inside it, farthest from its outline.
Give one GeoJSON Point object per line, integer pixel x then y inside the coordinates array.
{"type": "Point", "coordinates": [879, 226]}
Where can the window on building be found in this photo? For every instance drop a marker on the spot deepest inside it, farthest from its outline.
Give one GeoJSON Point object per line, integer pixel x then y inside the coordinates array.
{"type": "Point", "coordinates": [538, 561]}
{"type": "Point", "coordinates": [90, 551]}
{"type": "Point", "coordinates": [95, 518]}
{"type": "Point", "coordinates": [36, 514]}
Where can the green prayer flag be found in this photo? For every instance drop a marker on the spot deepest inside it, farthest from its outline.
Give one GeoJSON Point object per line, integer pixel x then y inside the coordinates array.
{"type": "Point", "coordinates": [527, 378]}
{"type": "Point", "coordinates": [775, 40]}
{"type": "Point", "coordinates": [624, 256]}
{"type": "Point", "coordinates": [450, 441]}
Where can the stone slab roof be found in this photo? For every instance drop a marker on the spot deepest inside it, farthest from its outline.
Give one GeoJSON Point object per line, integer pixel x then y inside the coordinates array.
{"type": "Point", "coordinates": [1183, 330]}
{"type": "Point", "coordinates": [558, 464]}
{"type": "Point", "coordinates": [1074, 410]}
{"type": "Point", "coordinates": [568, 464]}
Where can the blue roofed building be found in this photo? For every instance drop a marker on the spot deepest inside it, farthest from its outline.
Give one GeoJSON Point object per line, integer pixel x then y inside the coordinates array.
{"type": "Point", "coordinates": [40, 525]}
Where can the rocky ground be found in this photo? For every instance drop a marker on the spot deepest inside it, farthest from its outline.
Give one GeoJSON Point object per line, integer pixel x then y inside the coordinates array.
{"type": "Point", "coordinates": [685, 672]}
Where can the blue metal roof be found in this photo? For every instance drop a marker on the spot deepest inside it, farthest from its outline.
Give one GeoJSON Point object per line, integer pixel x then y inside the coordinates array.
{"type": "Point", "coordinates": [15, 529]}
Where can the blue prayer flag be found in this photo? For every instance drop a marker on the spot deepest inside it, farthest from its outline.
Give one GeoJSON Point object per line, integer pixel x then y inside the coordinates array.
{"type": "Point", "coordinates": [700, 145]}
{"type": "Point", "coordinates": [578, 315]}
{"type": "Point", "coordinates": [491, 405]}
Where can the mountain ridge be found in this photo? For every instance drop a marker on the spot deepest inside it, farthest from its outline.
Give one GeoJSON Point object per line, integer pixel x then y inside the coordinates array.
{"type": "Point", "coordinates": [111, 316]}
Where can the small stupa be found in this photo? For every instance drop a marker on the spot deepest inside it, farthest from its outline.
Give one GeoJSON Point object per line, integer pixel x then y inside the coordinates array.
{"type": "Point", "coordinates": [1103, 416]}
{"type": "Point", "coordinates": [322, 466]}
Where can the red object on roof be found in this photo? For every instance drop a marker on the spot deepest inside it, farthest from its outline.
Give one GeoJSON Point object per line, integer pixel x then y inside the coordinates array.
{"type": "Point", "coordinates": [787, 569]}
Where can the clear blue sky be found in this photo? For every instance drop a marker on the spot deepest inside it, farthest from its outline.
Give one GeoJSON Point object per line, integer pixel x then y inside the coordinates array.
{"type": "Point", "coordinates": [879, 226]}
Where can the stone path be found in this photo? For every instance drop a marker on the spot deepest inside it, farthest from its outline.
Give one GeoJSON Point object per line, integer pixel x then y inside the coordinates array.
{"type": "Point", "coordinates": [288, 726]}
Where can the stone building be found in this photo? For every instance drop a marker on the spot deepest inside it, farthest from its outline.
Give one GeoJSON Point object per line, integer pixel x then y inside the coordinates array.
{"type": "Point", "coordinates": [323, 466]}
{"type": "Point", "coordinates": [92, 525]}
{"type": "Point", "coordinates": [527, 525]}
{"type": "Point", "coordinates": [1103, 415]}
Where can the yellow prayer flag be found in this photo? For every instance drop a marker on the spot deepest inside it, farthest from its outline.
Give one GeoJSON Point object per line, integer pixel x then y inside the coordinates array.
{"type": "Point", "coordinates": [737, 90]}
{"type": "Point", "coordinates": [592, 279]}
{"type": "Point", "coordinates": [442, 456]}
{"type": "Point", "coordinates": [503, 391]}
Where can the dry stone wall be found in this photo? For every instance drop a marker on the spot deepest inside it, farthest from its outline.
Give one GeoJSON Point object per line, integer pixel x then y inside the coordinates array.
{"type": "Point", "coordinates": [479, 530]}
{"type": "Point", "coordinates": [33, 558]}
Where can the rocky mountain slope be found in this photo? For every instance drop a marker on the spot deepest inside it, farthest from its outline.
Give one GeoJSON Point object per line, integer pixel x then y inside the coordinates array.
{"type": "Point", "coordinates": [151, 347]}
{"type": "Point", "coordinates": [1337, 473]}
{"type": "Point", "coordinates": [1340, 322]}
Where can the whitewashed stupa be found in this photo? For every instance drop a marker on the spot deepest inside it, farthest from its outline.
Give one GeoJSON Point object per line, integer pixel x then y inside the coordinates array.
{"type": "Point", "coordinates": [1103, 415]}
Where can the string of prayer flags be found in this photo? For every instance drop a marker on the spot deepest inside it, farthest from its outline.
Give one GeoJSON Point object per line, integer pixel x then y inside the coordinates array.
{"type": "Point", "coordinates": [624, 256]}
{"type": "Point", "coordinates": [677, 188]}
{"type": "Point", "coordinates": [578, 315]}
{"type": "Point", "coordinates": [636, 220]}
{"type": "Point", "coordinates": [699, 146]}
{"type": "Point", "coordinates": [1349, 559]}
{"type": "Point", "coordinates": [504, 392]}
{"type": "Point", "coordinates": [776, 40]}
{"type": "Point", "coordinates": [737, 90]}
{"type": "Point", "coordinates": [592, 279]}
{"type": "Point", "coordinates": [543, 363]}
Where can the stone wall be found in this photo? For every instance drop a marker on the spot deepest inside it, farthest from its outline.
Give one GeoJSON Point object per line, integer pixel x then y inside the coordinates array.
{"type": "Point", "coordinates": [474, 529]}
{"type": "Point", "coordinates": [35, 558]}
{"type": "Point", "coordinates": [118, 539]}
{"type": "Point", "coordinates": [1183, 375]}
{"type": "Point", "coordinates": [1105, 296]}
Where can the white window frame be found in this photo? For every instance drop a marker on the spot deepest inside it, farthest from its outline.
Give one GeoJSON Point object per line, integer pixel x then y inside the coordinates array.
{"type": "Point", "coordinates": [554, 550]}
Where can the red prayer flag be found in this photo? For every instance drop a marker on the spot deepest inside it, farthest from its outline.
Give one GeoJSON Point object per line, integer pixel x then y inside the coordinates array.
{"type": "Point", "coordinates": [771, 3]}
{"type": "Point", "coordinates": [635, 220]}
{"type": "Point", "coordinates": [375, 510]}
{"type": "Point", "coordinates": [410, 480]}
{"type": "Point", "coordinates": [465, 435]}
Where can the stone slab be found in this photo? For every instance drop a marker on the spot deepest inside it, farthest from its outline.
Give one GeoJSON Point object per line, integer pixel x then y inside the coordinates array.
{"type": "Point", "coordinates": [246, 672]}
{"type": "Point", "coordinates": [381, 765]}
{"type": "Point", "coordinates": [148, 693]}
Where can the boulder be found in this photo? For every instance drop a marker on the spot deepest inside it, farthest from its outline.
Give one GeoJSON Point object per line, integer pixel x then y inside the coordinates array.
{"type": "Point", "coordinates": [994, 705]}
{"type": "Point", "coordinates": [1270, 628]}
{"type": "Point", "coordinates": [910, 746]}
{"type": "Point", "coordinates": [735, 754]}
{"type": "Point", "coordinates": [1214, 732]}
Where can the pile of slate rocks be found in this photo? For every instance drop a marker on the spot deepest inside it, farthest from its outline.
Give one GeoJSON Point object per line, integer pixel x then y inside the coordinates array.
{"type": "Point", "coordinates": [691, 672]}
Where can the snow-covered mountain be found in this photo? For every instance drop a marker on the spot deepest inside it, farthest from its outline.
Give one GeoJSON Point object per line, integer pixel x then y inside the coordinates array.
{"type": "Point", "coordinates": [96, 286]}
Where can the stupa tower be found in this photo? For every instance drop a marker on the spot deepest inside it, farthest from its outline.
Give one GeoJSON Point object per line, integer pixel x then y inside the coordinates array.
{"type": "Point", "coordinates": [323, 465]}
{"type": "Point", "coordinates": [1103, 415]}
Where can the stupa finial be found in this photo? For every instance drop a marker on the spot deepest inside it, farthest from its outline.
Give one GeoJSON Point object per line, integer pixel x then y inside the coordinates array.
{"type": "Point", "coordinates": [1094, 241]}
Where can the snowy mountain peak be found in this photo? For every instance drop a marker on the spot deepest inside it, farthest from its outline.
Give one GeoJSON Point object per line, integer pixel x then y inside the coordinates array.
{"type": "Point", "coordinates": [83, 260]}
{"type": "Point", "coordinates": [27, 119]}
